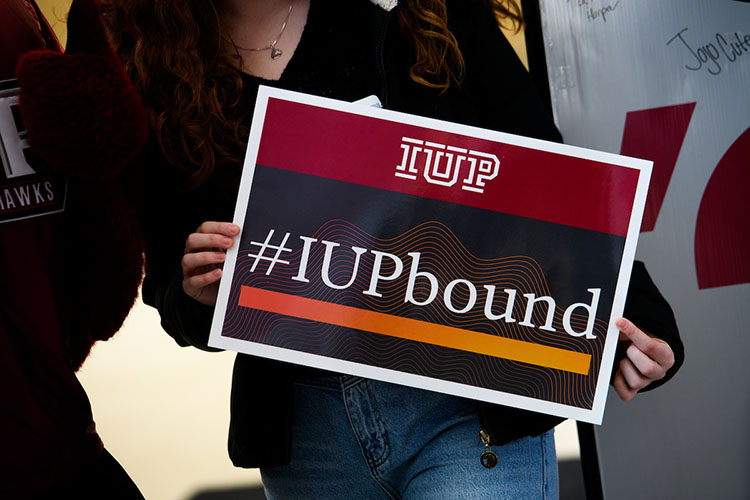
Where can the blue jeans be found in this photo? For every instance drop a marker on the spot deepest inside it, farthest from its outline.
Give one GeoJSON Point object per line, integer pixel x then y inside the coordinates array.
{"type": "Point", "coordinates": [370, 440]}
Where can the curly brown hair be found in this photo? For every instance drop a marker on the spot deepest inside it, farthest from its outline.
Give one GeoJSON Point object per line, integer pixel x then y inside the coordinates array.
{"type": "Point", "coordinates": [174, 53]}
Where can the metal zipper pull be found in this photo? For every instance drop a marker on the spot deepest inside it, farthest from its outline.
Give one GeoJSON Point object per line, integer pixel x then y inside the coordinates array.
{"type": "Point", "coordinates": [488, 458]}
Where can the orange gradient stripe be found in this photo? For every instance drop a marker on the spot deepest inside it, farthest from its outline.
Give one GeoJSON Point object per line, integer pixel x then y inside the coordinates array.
{"type": "Point", "coordinates": [412, 329]}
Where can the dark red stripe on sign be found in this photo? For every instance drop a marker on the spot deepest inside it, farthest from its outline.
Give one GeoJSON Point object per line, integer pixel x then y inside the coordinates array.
{"type": "Point", "coordinates": [529, 183]}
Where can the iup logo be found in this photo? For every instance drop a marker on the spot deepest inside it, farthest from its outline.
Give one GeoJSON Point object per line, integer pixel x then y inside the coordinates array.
{"type": "Point", "coordinates": [444, 165]}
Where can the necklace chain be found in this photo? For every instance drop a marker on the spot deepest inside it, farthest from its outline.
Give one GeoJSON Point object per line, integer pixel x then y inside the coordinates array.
{"type": "Point", "coordinates": [275, 52]}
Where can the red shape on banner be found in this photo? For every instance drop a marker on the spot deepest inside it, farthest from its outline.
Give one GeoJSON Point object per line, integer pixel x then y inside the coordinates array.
{"type": "Point", "coordinates": [722, 232]}
{"type": "Point", "coordinates": [656, 134]}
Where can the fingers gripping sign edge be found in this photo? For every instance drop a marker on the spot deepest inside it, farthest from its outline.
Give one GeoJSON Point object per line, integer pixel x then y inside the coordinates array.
{"type": "Point", "coordinates": [647, 359]}
{"type": "Point", "coordinates": [656, 349]}
{"type": "Point", "coordinates": [204, 257]}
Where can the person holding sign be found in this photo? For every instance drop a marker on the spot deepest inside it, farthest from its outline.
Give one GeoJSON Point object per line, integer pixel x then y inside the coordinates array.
{"type": "Point", "coordinates": [318, 434]}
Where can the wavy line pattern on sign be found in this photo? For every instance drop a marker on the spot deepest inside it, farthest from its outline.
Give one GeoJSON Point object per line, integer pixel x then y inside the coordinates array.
{"type": "Point", "coordinates": [411, 329]}
{"type": "Point", "coordinates": [445, 257]}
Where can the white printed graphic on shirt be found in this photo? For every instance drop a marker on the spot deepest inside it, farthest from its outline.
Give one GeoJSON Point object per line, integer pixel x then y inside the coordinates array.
{"type": "Point", "coordinates": [27, 188]}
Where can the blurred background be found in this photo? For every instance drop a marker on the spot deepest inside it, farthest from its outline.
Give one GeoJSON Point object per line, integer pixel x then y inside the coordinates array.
{"type": "Point", "coordinates": [163, 411]}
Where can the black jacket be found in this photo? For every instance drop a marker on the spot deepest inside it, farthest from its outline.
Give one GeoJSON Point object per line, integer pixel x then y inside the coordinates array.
{"type": "Point", "coordinates": [496, 93]}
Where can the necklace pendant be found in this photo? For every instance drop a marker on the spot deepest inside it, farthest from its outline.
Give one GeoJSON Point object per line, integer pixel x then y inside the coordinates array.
{"type": "Point", "coordinates": [275, 53]}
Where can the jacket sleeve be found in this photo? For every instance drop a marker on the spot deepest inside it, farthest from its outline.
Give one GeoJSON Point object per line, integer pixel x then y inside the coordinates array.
{"type": "Point", "coordinates": [186, 320]}
{"type": "Point", "coordinates": [168, 215]}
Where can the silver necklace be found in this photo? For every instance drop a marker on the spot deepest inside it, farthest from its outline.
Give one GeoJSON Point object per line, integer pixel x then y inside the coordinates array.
{"type": "Point", "coordinates": [275, 52]}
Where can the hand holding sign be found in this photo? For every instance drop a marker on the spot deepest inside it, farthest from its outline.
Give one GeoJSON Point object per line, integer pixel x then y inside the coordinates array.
{"type": "Point", "coordinates": [647, 359]}
{"type": "Point", "coordinates": [204, 258]}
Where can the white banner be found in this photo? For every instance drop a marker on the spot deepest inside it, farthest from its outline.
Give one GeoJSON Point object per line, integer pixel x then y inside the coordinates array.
{"type": "Point", "coordinates": [667, 81]}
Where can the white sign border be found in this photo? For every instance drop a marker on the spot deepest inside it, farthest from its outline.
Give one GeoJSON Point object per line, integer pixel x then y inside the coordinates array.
{"type": "Point", "coordinates": [594, 415]}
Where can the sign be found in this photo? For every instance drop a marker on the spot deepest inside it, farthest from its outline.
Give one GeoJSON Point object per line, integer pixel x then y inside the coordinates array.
{"type": "Point", "coordinates": [430, 254]}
